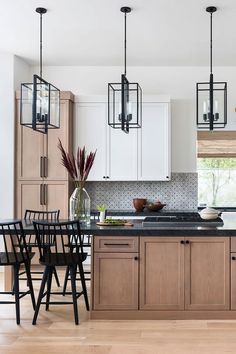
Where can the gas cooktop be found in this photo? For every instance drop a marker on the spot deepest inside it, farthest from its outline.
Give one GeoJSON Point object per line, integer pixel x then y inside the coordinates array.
{"type": "Point", "coordinates": [180, 219]}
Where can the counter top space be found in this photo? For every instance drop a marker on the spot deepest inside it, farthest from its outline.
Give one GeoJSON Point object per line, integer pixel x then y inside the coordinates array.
{"type": "Point", "coordinates": [228, 229]}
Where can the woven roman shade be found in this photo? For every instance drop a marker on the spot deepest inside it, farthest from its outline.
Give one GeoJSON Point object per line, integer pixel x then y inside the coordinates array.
{"type": "Point", "coordinates": [216, 144]}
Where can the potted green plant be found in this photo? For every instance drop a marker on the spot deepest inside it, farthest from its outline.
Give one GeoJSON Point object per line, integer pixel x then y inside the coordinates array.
{"type": "Point", "coordinates": [102, 212]}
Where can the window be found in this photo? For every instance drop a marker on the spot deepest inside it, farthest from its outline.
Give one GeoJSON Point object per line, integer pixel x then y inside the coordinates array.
{"type": "Point", "coordinates": [216, 166]}
{"type": "Point", "coordinates": [217, 182]}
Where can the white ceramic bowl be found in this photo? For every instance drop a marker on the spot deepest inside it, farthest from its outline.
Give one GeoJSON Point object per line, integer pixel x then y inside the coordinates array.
{"type": "Point", "coordinates": [209, 214]}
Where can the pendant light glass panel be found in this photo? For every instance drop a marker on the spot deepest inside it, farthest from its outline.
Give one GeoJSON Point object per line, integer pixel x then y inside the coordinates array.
{"type": "Point", "coordinates": [124, 105]}
{"type": "Point", "coordinates": [219, 118]}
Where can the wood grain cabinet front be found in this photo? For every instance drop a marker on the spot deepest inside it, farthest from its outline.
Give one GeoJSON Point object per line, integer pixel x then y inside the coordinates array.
{"type": "Point", "coordinates": [190, 273]}
{"type": "Point", "coordinates": [207, 274]}
{"type": "Point", "coordinates": [115, 281]}
{"type": "Point", "coordinates": [161, 273]}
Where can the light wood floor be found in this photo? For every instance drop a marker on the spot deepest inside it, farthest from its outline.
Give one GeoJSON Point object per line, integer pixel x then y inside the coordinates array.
{"type": "Point", "coordinates": [56, 333]}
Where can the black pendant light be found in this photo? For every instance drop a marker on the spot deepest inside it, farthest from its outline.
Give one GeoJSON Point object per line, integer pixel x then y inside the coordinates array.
{"type": "Point", "coordinates": [40, 100]}
{"type": "Point", "coordinates": [211, 96]}
{"type": "Point", "coordinates": [124, 98]}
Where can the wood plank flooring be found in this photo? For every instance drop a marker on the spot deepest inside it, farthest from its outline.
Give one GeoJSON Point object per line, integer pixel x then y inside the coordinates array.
{"type": "Point", "coordinates": [55, 332]}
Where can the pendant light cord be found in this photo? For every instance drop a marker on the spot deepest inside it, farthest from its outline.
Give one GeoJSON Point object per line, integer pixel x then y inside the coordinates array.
{"type": "Point", "coordinates": [41, 45]}
{"type": "Point", "coordinates": [125, 47]}
{"type": "Point", "coordinates": [211, 44]}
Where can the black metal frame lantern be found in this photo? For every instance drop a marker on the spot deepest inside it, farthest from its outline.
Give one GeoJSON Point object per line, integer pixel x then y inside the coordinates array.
{"type": "Point", "coordinates": [124, 98]}
{"type": "Point", "coordinates": [211, 96]}
{"type": "Point", "coordinates": [40, 100]}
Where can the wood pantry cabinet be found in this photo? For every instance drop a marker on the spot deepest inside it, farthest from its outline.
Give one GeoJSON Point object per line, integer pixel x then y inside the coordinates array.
{"type": "Point", "coordinates": [173, 277]}
{"type": "Point", "coordinates": [143, 154]}
{"type": "Point", "coordinates": [42, 183]}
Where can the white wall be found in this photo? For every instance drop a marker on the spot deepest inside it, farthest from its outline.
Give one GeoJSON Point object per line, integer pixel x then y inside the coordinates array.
{"type": "Point", "coordinates": [12, 69]}
{"type": "Point", "coordinates": [178, 82]}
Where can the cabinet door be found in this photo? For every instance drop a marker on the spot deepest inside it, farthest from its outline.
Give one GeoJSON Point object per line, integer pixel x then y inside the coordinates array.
{"type": "Point", "coordinates": [207, 273]}
{"type": "Point", "coordinates": [161, 273]}
{"type": "Point", "coordinates": [115, 281]}
{"type": "Point", "coordinates": [29, 150]}
{"type": "Point", "coordinates": [53, 166]}
{"type": "Point", "coordinates": [57, 197]}
{"type": "Point", "coordinates": [29, 196]}
{"type": "Point", "coordinates": [122, 155]}
{"type": "Point", "coordinates": [233, 281]}
{"type": "Point", "coordinates": [154, 143]}
{"type": "Point", "coordinates": [91, 132]}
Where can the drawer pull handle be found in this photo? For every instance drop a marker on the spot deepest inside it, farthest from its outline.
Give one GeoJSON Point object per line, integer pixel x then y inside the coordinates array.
{"type": "Point", "coordinates": [233, 258]}
{"type": "Point", "coordinates": [136, 258]}
{"type": "Point", "coordinates": [116, 244]}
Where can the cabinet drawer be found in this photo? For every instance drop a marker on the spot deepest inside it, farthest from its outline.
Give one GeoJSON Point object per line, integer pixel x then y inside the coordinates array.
{"type": "Point", "coordinates": [233, 244]}
{"type": "Point", "coordinates": [116, 244]}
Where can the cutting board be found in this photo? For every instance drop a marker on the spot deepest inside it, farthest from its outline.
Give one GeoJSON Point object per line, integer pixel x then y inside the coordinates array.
{"type": "Point", "coordinates": [111, 224]}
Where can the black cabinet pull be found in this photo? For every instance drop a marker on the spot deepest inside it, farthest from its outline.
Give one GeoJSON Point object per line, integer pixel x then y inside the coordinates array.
{"type": "Point", "coordinates": [136, 258]}
{"type": "Point", "coordinates": [45, 166]}
{"type": "Point", "coordinates": [45, 194]}
{"type": "Point", "coordinates": [187, 242]}
{"type": "Point", "coordinates": [116, 244]}
{"type": "Point", "coordinates": [41, 167]}
{"type": "Point", "coordinates": [41, 194]}
{"type": "Point", "coordinates": [233, 258]}
{"type": "Point", "coordinates": [167, 177]}
{"type": "Point", "coordinates": [182, 242]}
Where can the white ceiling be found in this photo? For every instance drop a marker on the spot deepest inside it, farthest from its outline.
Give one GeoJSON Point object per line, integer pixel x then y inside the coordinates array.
{"type": "Point", "coordinates": [90, 32]}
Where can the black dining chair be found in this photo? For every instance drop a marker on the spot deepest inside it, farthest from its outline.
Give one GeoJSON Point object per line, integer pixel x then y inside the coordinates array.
{"type": "Point", "coordinates": [86, 239]}
{"type": "Point", "coordinates": [66, 251]}
{"type": "Point", "coordinates": [15, 253]}
{"type": "Point", "coordinates": [31, 215]}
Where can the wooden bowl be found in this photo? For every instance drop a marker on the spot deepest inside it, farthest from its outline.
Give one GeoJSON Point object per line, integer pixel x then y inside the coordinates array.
{"type": "Point", "coordinates": [139, 203]}
{"type": "Point", "coordinates": [155, 206]}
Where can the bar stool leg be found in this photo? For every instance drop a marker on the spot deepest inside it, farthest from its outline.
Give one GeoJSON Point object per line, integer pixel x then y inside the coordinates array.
{"type": "Point", "coordinates": [49, 284]}
{"type": "Point", "coordinates": [73, 289]}
{"type": "Point", "coordinates": [16, 291]}
{"type": "Point", "coordinates": [83, 283]}
{"type": "Point", "coordinates": [30, 284]}
{"type": "Point", "coordinates": [40, 297]}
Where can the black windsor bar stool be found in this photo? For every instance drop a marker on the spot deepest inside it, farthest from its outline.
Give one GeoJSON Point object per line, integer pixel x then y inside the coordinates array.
{"type": "Point", "coordinates": [15, 253]}
{"type": "Point", "coordinates": [31, 215]}
{"type": "Point", "coordinates": [66, 251]}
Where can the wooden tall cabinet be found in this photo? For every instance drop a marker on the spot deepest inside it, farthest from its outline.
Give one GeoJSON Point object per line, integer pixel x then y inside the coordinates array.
{"type": "Point", "coordinates": [42, 182]}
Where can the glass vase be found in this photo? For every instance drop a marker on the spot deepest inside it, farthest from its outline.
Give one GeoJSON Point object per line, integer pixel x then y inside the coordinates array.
{"type": "Point", "coordinates": [80, 206]}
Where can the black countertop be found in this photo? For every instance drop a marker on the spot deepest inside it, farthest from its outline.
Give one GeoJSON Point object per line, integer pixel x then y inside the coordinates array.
{"type": "Point", "coordinates": [229, 229]}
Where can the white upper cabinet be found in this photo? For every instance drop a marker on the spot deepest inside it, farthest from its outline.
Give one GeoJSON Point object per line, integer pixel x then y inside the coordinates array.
{"type": "Point", "coordinates": [143, 154]}
{"type": "Point", "coordinates": [122, 155]}
{"type": "Point", "coordinates": [154, 143]}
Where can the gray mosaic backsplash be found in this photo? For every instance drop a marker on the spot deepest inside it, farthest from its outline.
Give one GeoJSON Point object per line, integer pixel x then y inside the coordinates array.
{"type": "Point", "coordinates": [180, 193]}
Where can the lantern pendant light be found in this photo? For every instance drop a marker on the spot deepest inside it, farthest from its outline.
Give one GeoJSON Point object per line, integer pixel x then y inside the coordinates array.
{"type": "Point", "coordinates": [211, 96]}
{"type": "Point", "coordinates": [40, 100]}
{"type": "Point", "coordinates": [124, 98]}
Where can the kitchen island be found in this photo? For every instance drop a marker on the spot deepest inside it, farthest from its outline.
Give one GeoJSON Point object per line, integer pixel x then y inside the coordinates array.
{"type": "Point", "coordinates": [163, 272]}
